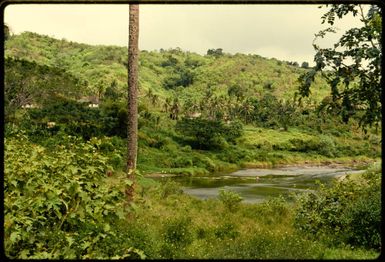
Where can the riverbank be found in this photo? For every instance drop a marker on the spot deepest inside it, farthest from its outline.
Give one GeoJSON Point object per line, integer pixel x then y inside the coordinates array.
{"type": "Point", "coordinates": [167, 152]}
{"type": "Point", "coordinates": [177, 225]}
{"type": "Point", "coordinates": [256, 185]}
{"type": "Point", "coordinates": [360, 162]}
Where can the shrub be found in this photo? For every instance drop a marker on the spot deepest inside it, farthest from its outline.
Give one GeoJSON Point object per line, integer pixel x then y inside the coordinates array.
{"type": "Point", "coordinates": [230, 199]}
{"type": "Point", "coordinates": [323, 145]}
{"type": "Point", "coordinates": [177, 235]}
{"type": "Point", "coordinates": [349, 211]}
{"type": "Point", "coordinates": [276, 207]}
{"type": "Point", "coordinates": [268, 85]}
{"type": "Point", "coordinates": [114, 118]}
{"type": "Point", "coordinates": [227, 230]}
{"type": "Point", "coordinates": [209, 134]}
{"type": "Point", "coordinates": [57, 204]}
{"type": "Point", "coordinates": [302, 145]}
{"type": "Point", "coordinates": [327, 146]}
{"type": "Point", "coordinates": [234, 154]}
{"type": "Point", "coordinates": [183, 161]}
{"type": "Point", "coordinates": [170, 187]}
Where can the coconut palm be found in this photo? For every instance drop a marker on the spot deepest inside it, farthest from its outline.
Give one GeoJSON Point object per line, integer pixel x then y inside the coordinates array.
{"type": "Point", "coordinates": [132, 130]}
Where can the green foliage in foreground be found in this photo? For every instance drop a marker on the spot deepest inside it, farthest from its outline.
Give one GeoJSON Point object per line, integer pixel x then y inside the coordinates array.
{"type": "Point", "coordinates": [60, 204]}
{"type": "Point", "coordinates": [57, 202]}
{"type": "Point", "coordinates": [348, 212]}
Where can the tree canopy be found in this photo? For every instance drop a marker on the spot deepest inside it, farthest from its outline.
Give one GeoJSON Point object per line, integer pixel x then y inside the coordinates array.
{"type": "Point", "coordinates": [352, 66]}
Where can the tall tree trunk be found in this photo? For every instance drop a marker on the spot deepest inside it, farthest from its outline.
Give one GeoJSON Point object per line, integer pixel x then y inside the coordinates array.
{"type": "Point", "coordinates": [132, 130]}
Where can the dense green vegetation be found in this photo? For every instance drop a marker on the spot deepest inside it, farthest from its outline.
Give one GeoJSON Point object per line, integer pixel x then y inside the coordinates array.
{"type": "Point", "coordinates": [355, 63]}
{"type": "Point", "coordinates": [248, 89]}
{"type": "Point", "coordinates": [71, 208]}
{"type": "Point", "coordinates": [64, 160]}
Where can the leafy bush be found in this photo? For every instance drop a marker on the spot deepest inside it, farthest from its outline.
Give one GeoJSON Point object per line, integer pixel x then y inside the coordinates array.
{"type": "Point", "coordinates": [302, 145]}
{"type": "Point", "coordinates": [177, 235]}
{"type": "Point", "coordinates": [268, 85]}
{"type": "Point", "coordinates": [114, 117]}
{"type": "Point", "coordinates": [349, 211]}
{"type": "Point", "coordinates": [22, 86]}
{"type": "Point", "coordinates": [235, 154]}
{"type": "Point", "coordinates": [275, 207]}
{"type": "Point", "coordinates": [177, 231]}
{"type": "Point", "coordinates": [230, 199]}
{"type": "Point", "coordinates": [209, 134]}
{"type": "Point", "coordinates": [183, 161]}
{"type": "Point", "coordinates": [327, 146]}
{"type": "Point", "coordinates": [57, 204]}
{"type": "Point", "coordinates": [170, 187]}
{"type": "Point", "coordinates": [323, 145]}
{"type": "Point", "coordinates": [77, 119]}
{"type": "Point", "coordinates": [227, 230]}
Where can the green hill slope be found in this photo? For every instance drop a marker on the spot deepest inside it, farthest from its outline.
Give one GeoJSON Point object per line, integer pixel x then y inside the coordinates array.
{"type": "Point", "coordinates": [224, 89]}
{"type": "Point", "coordinates": [163, 72]}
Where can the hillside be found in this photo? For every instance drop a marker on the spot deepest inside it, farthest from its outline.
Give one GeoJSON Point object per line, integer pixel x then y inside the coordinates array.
{"type": "Point", "coordinates": [231, 163]}
{"type": "Point", "coordinates": [164, 72]}
{"type": "Point", "coordinates": [252, 93]}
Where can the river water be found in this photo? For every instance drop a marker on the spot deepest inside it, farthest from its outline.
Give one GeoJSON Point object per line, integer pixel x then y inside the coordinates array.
{"type": "Point", "coordinates": [257, 185]}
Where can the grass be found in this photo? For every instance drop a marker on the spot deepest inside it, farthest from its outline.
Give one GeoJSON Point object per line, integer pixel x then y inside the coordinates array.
{"type": "Point", "coordinates": [167, 224]}
{"type": "Point", "coordinates": [164, 222]}
{"type": "Point", "coordinates": [268, 137]}
{"type": "Point", "coordinates": [163, 152]}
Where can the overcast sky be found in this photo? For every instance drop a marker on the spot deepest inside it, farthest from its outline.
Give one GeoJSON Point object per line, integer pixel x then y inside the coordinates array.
{"type": "Point", "coordinates": [285, 32]}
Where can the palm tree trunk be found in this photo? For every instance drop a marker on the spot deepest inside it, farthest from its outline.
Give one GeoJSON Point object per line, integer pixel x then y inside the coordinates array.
{"type": "Point", "coordinates": [132, 130]}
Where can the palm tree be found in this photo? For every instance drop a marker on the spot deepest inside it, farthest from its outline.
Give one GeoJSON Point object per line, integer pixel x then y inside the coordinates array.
{"type": "Point", "coordinates": [175, 109]}
{"type": "Point", "coordinates": [167, 104]}
{"type": "Point", "coordinates": [247, 110]}
{"type": "Point", "coordinates": [132, 130]}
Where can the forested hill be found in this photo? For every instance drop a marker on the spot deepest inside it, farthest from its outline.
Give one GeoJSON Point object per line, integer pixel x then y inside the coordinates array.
{"type": "Point", "coordinates": [71, 191]}
{"type": "Point", "coordinates": [164, 73]}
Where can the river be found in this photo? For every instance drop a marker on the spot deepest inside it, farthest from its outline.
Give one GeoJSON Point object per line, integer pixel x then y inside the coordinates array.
{"type": "Point", "coordinates": [257, 185]}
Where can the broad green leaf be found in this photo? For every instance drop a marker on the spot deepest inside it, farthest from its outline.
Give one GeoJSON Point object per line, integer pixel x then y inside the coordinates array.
{"type": "Point", "coordinates": [107, 227]}
{"type": "Point", "coordinates": [70, 240]}
{"type": "Point", "coordinates": [85, 245]}
{"type": "Point", "coordinates": [91, 170]}
{"type": "Point", "coordinates": [74, 170]}
{"type": "Point", "coordinates": [24, 254]}
{"type": "Point", "coordinates": [14, 183]}
{"type": "Point", "coordinates": [15, 236]}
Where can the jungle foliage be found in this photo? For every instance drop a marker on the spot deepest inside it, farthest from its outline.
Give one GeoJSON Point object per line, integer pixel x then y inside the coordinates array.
{"type": "Point", "coordinates": [65, 204]}
{"type": "Point", "coordinates": [352, 67]}
{"type": "Point", "coordinates": [65, 150]}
